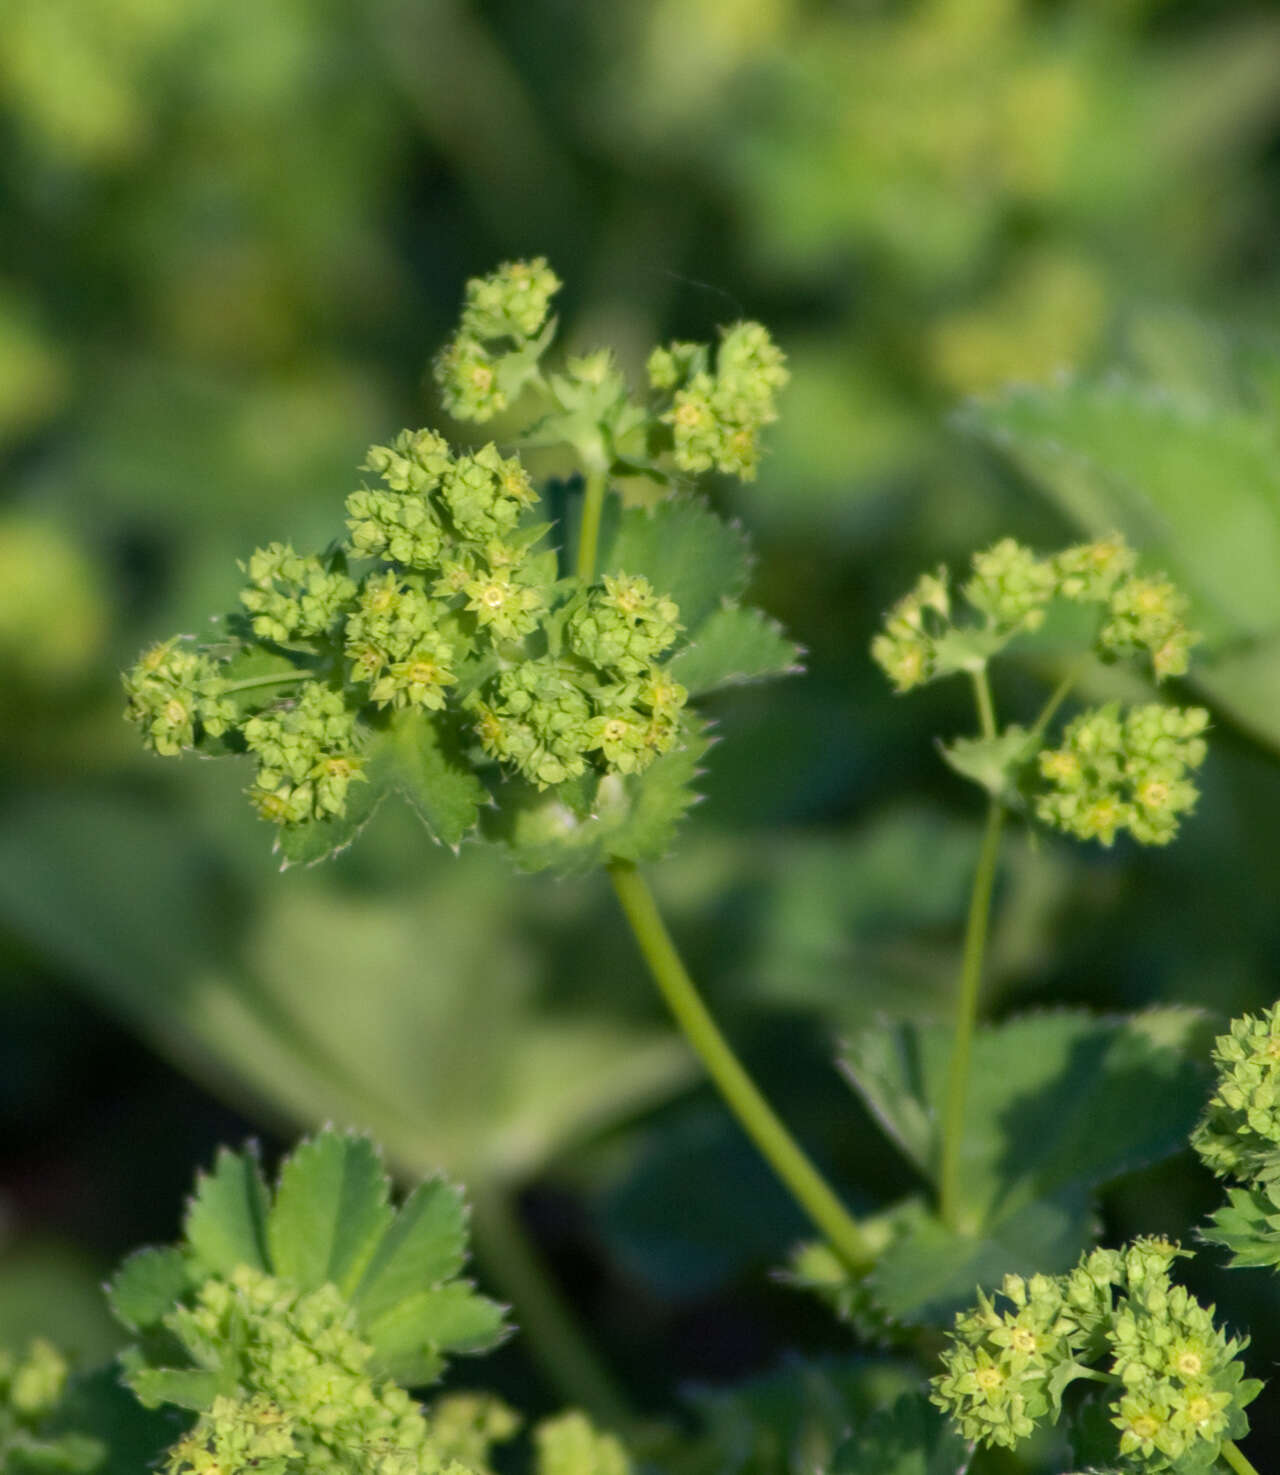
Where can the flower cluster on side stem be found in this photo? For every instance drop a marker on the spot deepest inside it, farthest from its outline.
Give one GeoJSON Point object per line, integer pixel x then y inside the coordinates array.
{"type": "Point", "coordinates": [1113, 770]}
{"type": "Point", "coordinates": [1177, 1385]}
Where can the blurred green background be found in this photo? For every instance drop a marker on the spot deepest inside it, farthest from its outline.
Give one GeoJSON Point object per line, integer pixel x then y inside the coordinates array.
{"type": "Point", "coordinates": [232, 236]}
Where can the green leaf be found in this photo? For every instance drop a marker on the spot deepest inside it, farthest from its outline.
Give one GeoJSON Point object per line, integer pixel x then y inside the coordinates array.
{"type": "Point", "coordinates": [425, 1245]}
{"type": "Point", "coordinates": [1194, 482]}
{"type": "Point", "coordinates": [930, 1271]}
{"type": "Point", "coordinates": [731, 646]}
{"type": "Point", "coordinates": [683, 549]}
{"type": "Point", "coordinates": [631, 817]}
{"type": "Point", "coordinates": [1248, 1225]}
{"type": "Point", "coordinates": [410, 1337]}
{"type": "Point", "coordinates": [1192, 477]}
{"type": "Point", "coordinates": [911, 1438]}
{"type": "Point", "coordinates": [191, 1388]}
{"type": "Point", "coordinates": [411, 754]}
{"type": "Point", "coordinates": [321, 839]}
{"type": "Point", "coordinates": [422, 759]}
{"type": "Point", "coordinates": [330, 1212]}
{"type": "Point", "coordinates": [1058, 1104]}
{"type": "Point", "coordinates": [1039, 1086]}
{"type": "Point", "coordinates": [146, 1286]}
{"type": "Point", "coordinates": [994, 764]}
{"type": "Point", "coordinates": [225, 1223]}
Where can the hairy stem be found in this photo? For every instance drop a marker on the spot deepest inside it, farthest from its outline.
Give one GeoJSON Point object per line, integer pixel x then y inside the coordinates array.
{"type": "Point", "coordinates": [810, 1190]}
{"type": "Point", "coordinates": [975, 941]}
{"type": "Point", "coordinates": [589, 530]}
{"type": "Point", "coordinates": [549, 1330]}
{"type": "Point", "coordinates": [1231, 1454]}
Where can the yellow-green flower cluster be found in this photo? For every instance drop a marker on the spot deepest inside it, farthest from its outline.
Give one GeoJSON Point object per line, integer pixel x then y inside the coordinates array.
{"type": "Point", "coordinates": [569, 1445]}
{"type": "Point", "coordinates": [304, 1400]}
{"type": "Point", "coordinates": [432, 502]}
{"type": "Point", "coordinates": [995, 1382]}
{"type": "Point", "coordinates": [494, 353]}
{"type": "Point", "coordinates": [547, 717]}
{"type": "Point", "coordinates": [1239, 1134]}
{"type": "Point", "coordinates": [31, 1388]}
{"type": "Point", "coordinates": [449, 615]}
{"type": "Point", "coordinates": [906, 649]}
{"type": "Point", "coordinates": [465, 1427]}
{"type": "Point", "coordinates": [1180, 1383]}
{"type": "Point", "coordinates": [306, 750]}
{"type": "Point", "coordinates": [1011, 590]}
{"type": "Point", "coordinates": [1011, 586]}
{"type": "Point", "coordinates": [716, 417]}
{"type": "Point", "coordinates": [1179, 1372]}
{"type": "Point", "coordinates": [290, 597]}
{"type": "Point", "coordinates": [604, 694]}
{"type": "Point", "coordinates": [177, 695]}
{"type": "Point", "coordinates": [1148, 615]}
{"type": "Point", "coordinates": [623, 625]}
{"type": "Point", "coordinates": [1128, 770]}
{"type": "Point", "coordinates": [395, 642]}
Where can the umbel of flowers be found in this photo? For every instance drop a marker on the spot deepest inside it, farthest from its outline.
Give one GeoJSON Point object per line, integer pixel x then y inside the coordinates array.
{"type": "Point", "coordinates": [1114, 769]}
{"type": "Point", "coordinates": [445, 603]}
{"type": "Point", "coordinates": [1170, 1382]}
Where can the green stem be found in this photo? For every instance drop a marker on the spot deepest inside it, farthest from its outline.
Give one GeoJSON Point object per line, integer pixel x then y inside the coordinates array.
{"type": "Point", "coordinates": [1056, 698]}
{"type": "Point", "coordinates": [551, 1335]}
{"type": "Point", "coordinates": [1236, 1460]}
{"type": "Point", "coordinates": [986, 710]}
{"type": "Point", "coordinates": [753, 1112]}
{"type": "Point", "coordinates": [589, 530]}
{"type": "Point", "coordinates": [975, 940]}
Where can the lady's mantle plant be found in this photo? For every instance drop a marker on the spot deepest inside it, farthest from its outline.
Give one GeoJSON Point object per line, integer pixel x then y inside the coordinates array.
{"type": "Point", "coordinates": [521, 665]}
{"type": "Point", "coordinates": [445, 647]}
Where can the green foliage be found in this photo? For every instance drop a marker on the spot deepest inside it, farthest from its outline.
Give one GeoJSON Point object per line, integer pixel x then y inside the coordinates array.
{"type": "Point", "coordinates": [1033, 1155]}
{"type": "Point", "coordinates": [454, 645]}
{"type": "Point", "coordinates": [1182, 459]}
{"type": "Point", "coordinates": [1239, 1137]}
{"type": "Point", "coordinates": [328, 1224]}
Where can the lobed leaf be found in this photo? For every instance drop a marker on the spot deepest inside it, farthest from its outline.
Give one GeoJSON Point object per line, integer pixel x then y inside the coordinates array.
{"type": "Point", "coordinates": [683, 549]}
{"type": "Point", "coordinates": [1058, 1105]}
{"type": "Point", "coordinates": [1039, 1087]}
{"type": "Point", "coordinates": [424, 1245]}
{"type": "Point", "coordinates": [631, 817]}
{"type": "Point", "coordinates": [731, 646]}
{"type": "Point", "coordinates": [225, 1224]}
{"type": "Point", "coordinates": [193, 1388]}
{"type": "Point", "coordinates": [929, 1271]}
{"type": "Point", "coordinates": [330, 1213]}
{"type": "Point", "coordinates": [421, 758]}
{"type": "Point", "coordinates": [146, 1286]}
{"type": "Point", "coordinates": [1194, 482]}
{"type": "Point", "coordinates": [411, 1337]}
{"type": "Point", "coordinates": [1248, 1225]}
